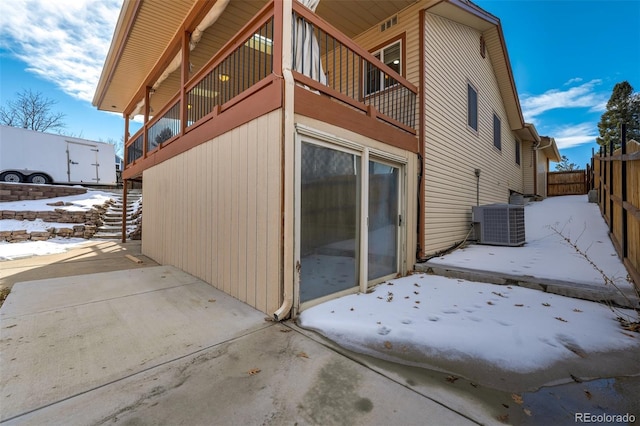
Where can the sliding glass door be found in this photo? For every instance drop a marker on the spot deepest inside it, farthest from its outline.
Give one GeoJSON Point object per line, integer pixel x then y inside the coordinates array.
{"type": "Point", "coordinates": [384, 220]}
{"type": "Point", "coordinates": [330, 221]}
{"type": "Point", "coordinates": [349, 219]}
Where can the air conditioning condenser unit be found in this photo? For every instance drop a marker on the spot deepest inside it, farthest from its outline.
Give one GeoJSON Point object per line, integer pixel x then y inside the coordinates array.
{"type": "Point", "coordinates": [499, 224]}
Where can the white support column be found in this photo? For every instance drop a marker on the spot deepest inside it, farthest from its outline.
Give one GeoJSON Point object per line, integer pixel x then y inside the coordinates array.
{"type": "Point", "coordinates": [364, 221]}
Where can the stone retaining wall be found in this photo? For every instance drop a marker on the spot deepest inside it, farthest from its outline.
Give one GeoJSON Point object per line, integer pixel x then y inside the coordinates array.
{"type": "Point", "coordinates": [28, 191]}
{"type": "Point", "coordinates": [87, 223]}
{"type": "Point", "coordinates": [78, 231]}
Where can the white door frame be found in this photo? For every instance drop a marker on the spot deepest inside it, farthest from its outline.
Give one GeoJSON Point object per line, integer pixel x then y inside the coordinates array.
{"type": "Point", "coordinates": [320, 138]}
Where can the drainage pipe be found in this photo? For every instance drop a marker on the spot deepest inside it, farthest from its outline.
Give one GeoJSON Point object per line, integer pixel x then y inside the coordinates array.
{"type": "Point", "coordinates": [477, 172]}
{"type": "Point", "coordinates": [290, 273]}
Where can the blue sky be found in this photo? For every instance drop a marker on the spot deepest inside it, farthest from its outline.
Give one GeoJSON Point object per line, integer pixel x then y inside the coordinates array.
{"type": "Point", "coordinates": [566, 56]}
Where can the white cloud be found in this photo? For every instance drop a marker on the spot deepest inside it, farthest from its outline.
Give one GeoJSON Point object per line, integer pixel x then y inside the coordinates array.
{"type": "Point", "coordinates": [63, 41]}
{"type": "Point", "coordinates": [582, 96]}
{"type": "Point", "coordinates": [572, 81]}
{"type": "Point", "coordinates": [574, 135]}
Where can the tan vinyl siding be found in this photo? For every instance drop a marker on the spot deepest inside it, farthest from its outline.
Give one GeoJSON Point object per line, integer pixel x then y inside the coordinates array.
{"type": "Point", "coordinates": [528, 170]}
{"type": "Point", "coordinates": [214, 212]}
{"type": "Point", "coordinates": [407, 24]}
{"type": "Point", "coordinates": [452, 150]}
{"type": "Point", "coordinates": [542, 173]}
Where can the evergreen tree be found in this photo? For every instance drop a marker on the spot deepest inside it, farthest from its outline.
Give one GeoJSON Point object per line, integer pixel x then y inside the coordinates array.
{"type": "Point", "coordinates": [565, 166]}
{"type": "Point", "coordinates": [623, 107]}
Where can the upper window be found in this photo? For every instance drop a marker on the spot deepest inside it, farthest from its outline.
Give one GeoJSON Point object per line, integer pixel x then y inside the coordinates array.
{"type": "Point", "coordinates": [472, 107]}
{"type": "Point", "coordinates": [517, 152]}
{"type": "Point", "coordinates": [375, 78]}
{"type": "Point", "coordinates": [497, 134]}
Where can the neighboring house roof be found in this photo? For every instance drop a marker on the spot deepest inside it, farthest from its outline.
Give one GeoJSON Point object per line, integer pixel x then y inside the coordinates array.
{"type": "Point", "coordinates": [549, 148]}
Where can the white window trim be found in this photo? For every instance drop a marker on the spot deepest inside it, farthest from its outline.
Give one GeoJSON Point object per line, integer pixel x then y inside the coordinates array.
{"type": "Point", "coordinates": [365, 153]}
{"type": "Point", "coordinates": [381, 59]}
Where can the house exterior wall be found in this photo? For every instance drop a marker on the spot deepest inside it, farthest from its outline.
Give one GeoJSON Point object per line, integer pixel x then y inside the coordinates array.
{"type": "Point", "coordinates": [452, 150]}
{"type": "Point", "coordinates": [543, 168]}
{"type": "Point", "coordinates": [215, 212]}
{"type": "Point", "coordinates": [528, 168]}
{"type": "Point", "coordinates": [410, 164]}
{"type": "Point", "coordinates": [407, 28]}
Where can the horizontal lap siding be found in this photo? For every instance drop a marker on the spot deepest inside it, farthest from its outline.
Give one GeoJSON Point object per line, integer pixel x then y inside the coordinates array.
{"type": "Point", "coordinates": [452, 151]}
{"type": "Point", "coordinates": [528, 169]}
{"type": "Point", "coordinates": [214, 212]}
{"type": "Point", "coordinates": [407, 24]}
{"type": "Point", "coordinates": [542, 174]}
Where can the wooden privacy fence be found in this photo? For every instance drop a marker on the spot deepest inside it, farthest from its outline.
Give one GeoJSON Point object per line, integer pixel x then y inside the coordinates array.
{"type": "Point", "coordinates": [567, 183]}
{"type": "Point", "coordinates": [616, 177]}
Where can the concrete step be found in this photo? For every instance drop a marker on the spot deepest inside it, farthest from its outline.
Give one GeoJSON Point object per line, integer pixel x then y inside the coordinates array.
{"type": "Point", "coordinates": [115, 228]}
{"type": "Point", "coordinates": [107, 236]}
{"type": "Point", "coordinates": [118, 221]}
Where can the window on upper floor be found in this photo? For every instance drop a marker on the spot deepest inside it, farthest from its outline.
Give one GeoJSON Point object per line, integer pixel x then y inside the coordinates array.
{"type": "Point", "coordinates": [376, 79]}
{"type": "Point", "coordinates": [517, 152]}
{"type": "Point", "coordinates": [497, 133]}
{"type": "Point", "coordinates": [472, 107]}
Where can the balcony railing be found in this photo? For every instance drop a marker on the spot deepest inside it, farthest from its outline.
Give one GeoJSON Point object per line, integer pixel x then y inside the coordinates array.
{"type": "Point", "coordinates": [164, 126]}
{"type": "Point", "coordinates": [135, 147]}
{"type": "Point", "coordinates": [348, 73]}
{"type": "Point", "coordinates": [324, 60]}
{"type": "Point", "coordinates": [242, 68]}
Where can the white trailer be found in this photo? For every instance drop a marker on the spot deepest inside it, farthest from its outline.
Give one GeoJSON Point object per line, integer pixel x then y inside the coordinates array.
{"type": "Point", "coordinates": [36, 157]}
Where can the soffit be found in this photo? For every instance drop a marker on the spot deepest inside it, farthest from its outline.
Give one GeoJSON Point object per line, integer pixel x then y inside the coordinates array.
{"type": "Point", "coordinates": [550, 148]}
{"type": "Point", "coordinates": [357, 16]}
{"type": "Point", "coordinates": [136, 47]}
{"type": "Point", "coordinates": [141, 43]}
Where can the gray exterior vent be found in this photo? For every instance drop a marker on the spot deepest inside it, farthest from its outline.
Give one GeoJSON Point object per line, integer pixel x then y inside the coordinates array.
{"type": "Point", "coordinates": [389, 23]}
{"type": "Point", "coordinates": [499, 224]}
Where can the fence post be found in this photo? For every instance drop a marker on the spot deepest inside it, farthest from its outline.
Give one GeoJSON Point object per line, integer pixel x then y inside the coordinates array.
{"type": "Point", "coordinates": [600, 182]}
{"type": "Point", "coordinates": [586, 179]}
{"type": "Point", "coordinates": [610, 187]}
{"type": "Point", "coordinates": [592, 178]}
{"type": "Point", "coordinates": [623, 172]}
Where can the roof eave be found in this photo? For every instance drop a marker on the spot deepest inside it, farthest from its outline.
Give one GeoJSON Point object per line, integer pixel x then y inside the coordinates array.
{"type": "Point", "coordinates": [126, 18]}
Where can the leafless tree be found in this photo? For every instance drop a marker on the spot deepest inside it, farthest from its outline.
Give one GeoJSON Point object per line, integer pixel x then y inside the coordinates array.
{"type": "Point", "coordinates": [31, 110]}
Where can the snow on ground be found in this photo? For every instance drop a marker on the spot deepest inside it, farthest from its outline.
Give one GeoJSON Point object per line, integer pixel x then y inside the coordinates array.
{"type": "Point", "coordinates": [488, 332]}
{"type": "Point", "coordinates": [546, 254]}
{"type": "Point", "coordinates": [460, 326]}
{"type": "Point", "coordinates": [12, 251]}
{"type": "Point", "coordinates": [81, 202]}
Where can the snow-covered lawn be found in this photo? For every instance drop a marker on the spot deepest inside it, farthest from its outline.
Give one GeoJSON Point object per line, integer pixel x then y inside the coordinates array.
{"type": "Point", "coordinates": [546, 254]}
{"type": "Point", "coordinates": [12, 251]}
{"type": "Point", "coordinates": [497, 334]}
{"type": "Point", "coordinates": [81, 202]}
{"type": "Point", "coordinates": [469, 328]}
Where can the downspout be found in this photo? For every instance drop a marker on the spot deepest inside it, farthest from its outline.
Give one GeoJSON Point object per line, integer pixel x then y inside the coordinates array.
{"type": "Point", "coordinates": [290, 275]}
{"type": "Point", "coordinates": [421, 210]}
{"type": "Point", "coordinates": [534, 154]}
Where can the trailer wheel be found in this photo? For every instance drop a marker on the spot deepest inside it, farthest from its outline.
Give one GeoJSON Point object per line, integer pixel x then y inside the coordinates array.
{"type": "Point", "coordinates": [38, 178]}
{"type": "Point", "coordinates": [11, 177]}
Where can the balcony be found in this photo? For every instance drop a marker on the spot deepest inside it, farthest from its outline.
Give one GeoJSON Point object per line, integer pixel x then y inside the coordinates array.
{"type": "Point", "coordinates": [334, 78]}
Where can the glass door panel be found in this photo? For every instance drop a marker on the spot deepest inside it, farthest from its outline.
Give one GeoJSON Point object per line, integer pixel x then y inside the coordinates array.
{"type": "Point", "coordinates": [383, 211]}
{"type": "Point", "coordinates": [329, 221]}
